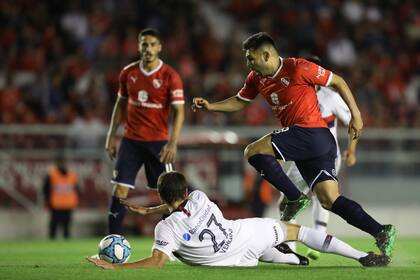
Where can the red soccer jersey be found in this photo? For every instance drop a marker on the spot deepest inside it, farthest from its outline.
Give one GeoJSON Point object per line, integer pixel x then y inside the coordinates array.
{"type": "Point", "coordinates": [291, 91]}
{"type": "Point", "coordinates": [150, 95]}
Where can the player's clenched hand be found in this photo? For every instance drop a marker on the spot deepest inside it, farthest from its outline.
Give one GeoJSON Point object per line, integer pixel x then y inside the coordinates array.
{"type": "Point", "coordinates": [135, 208]}
{"type": "Point", "coordinates": [199, 103]}
{"type": "Point", "coordinates": [349, 158]}
{"type": "Point", "coordinates": [100, 263]}
{"type": "Point", "coordinates": [168, 153]}
{"type": "Point", "coordinates": [355, 127]}
{"type": "Point", "coordinates": [111, 146]}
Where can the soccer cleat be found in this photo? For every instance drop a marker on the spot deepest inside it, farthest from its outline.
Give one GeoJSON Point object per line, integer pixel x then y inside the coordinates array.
{"type": "Point", "coordinates": [373, 259]}
{"type": "Point", "coordinates": [313, 254]}
{"type": "Point", "coordinates": [285, 249]}
{"type": "Point", "coordinates": [386, 238]}
{"type": "Point", "coordinates": [290, 209]}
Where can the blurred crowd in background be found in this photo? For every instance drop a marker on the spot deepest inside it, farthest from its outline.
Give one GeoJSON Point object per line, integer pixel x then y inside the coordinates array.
{"type": "Point", "coordinates": [60, 60]}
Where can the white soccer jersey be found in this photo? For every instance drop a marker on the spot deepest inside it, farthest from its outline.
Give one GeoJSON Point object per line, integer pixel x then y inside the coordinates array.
{"type": "Point", "coordinates": [332, 106]}
{"type": "Point", "coordinates": [205, 237]}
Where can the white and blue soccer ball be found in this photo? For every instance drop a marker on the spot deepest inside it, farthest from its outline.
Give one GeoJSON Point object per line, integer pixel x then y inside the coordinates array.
{"type": "Point", "coordinates": [114, 248]}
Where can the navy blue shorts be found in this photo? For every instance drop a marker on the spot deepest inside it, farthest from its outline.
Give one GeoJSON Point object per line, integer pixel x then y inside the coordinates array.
{"type": "Point", "coordinates": [132, 155]}
{"type": "Point", "coordinates": [312, 149]}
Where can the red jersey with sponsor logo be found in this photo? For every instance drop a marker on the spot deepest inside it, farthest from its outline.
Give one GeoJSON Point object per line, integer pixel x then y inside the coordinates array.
{"type": "Point", "coordinates": [150, 96]}
{"type": "Point", "coordinates": [291, 91]}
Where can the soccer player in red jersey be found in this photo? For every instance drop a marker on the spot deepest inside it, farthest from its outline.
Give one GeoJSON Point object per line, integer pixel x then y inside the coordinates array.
{"type": "Point", "coordinates": [288, 85]}
{"type": "Point", "coordinates": [148, 90]}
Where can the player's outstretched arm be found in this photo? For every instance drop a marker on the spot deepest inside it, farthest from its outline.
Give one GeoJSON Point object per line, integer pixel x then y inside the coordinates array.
{"type": "Point", "coordinates": [356, 122]}
{"type": "Point", "coordinates": [168, 152]}
{"type": "Point", "coordinates": [142, 210]}
{"type": "Point", "coordinates": [349, 155]}
{"type": "Point", "coordinates": [158, 259]}
{"type": "Point", "coordinates": [118, 115]}
{"type": "Point", "coordinates": [231, 104]}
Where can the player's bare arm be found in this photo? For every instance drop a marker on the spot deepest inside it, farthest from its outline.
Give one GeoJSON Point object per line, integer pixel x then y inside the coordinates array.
{"type": "Point", "coordinates": [168, 153]}
{"type": "Point", "coordinates": [118, 115]}
{"type": "Point", "coordinates": [349, 155]}
{"type": "Point", "coordinates": [231, 104]}
{"type": "Point", "coordinates": [142, 210]}
{"type": "Point", "coordinates": [356, 122]}
{"type": "Point", "coordinates": [158, 259]}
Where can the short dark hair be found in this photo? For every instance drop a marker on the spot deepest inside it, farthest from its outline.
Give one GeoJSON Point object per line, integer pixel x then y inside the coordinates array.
{"type": "Point", "coordinates": [149, 31]}
{"type": "Point", "coordinates": [172, 186]}
{"type": "Point", "coordinates": [257, 40]}
{"type": "Point", "coordinates": [313, 58]}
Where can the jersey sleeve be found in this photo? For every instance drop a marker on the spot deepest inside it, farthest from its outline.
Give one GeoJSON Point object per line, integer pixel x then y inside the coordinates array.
{"type": "Point", "coordinates": [176, 88]}
{"type": "Point", "coordinates": [341, 110]}
{"type": "Point", "coordinates": [249, 91]}
{"type": "Point", "coordinates": [313, 74]}
{"type": "Point", "coordinates": [122, 84]}
{"type": "Point", "coordinates": [164, 240]}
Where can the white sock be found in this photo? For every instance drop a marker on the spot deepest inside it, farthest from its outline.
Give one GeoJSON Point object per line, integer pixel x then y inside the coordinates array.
{"type": "Point", "coordinates": [272, 255]}
{"type": "Point", "coordinates": [322, 242]}
{"type": "Point", "coordinates": [320, 215]}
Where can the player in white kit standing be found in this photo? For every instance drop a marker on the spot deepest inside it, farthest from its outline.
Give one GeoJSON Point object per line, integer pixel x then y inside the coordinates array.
{"type": "Point", "coordinates": [197, 233]}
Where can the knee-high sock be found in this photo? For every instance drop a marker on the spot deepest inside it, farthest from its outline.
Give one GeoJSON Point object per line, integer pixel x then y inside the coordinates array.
{"type": "Point", "coordinates": [115, 216]}
{"type": "Point", "coordinates": [272, 255]}
{"type": "Point", "coordinates": [354, 214]}
{"type": "Point", "coordinates": [320, 215]}
{"type": "Point", "coordinates": [270, 170]}
{"type": "Point", "coordinates": [323, 242]}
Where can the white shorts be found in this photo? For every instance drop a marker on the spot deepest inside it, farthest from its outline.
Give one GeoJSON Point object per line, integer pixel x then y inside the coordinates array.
{"type": "Point", "coordinates": [266, 233]}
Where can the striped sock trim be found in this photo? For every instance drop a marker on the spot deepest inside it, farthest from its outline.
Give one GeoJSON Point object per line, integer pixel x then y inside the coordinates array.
{"type": "Point", "coordinates": [327, 242]}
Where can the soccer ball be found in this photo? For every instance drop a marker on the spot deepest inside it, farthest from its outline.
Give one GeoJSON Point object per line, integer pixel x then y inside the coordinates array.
{"type": "Point", "coordinates": [114, 248]}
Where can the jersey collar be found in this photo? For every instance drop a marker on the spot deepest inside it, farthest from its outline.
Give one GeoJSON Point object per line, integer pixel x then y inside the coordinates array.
{"type": "Point", "coordinates": [181, 208]}
{"type": "Point", "coordinates": [278, 70]}
{"type": "Point", "coordinates": [153, 71]}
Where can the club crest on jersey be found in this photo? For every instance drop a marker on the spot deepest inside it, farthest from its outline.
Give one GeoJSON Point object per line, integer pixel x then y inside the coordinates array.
{"type": "Point", "coordinates": [285, 81]}
{"type": "Point", "coordinates": [142, 96]}
{"type": "Point", "coordinates": [157, 83]}
{"type": "Point", "coordinates": [186, 236]}
{"type": "Point", "coordinates": [274, 98]}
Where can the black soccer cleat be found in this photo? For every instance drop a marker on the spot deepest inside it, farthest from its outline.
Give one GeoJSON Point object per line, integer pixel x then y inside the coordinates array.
{"type": "Point", "coordinates": [290, 209]}
{"type": "Point", "coordinates": [386, 238]}
{"type": "Point", "coordinates": [373, 259]}
{"type": "Point", "coordinates": [285, 249]}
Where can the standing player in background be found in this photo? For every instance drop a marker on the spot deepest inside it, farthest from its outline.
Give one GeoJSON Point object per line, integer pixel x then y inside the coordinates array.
{"type": "Point", "coordinates": [288, 85]}
{"type": "Point", "coordinates": [148, 90]}
{"type": "Point", "coordinates": [197, 233]}
{"type": "Point", "coordinates": [332, 107]}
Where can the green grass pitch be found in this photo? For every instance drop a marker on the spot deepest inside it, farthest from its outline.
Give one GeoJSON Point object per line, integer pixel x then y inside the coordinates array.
{"type": "Point", "coordinates": [65, 260]}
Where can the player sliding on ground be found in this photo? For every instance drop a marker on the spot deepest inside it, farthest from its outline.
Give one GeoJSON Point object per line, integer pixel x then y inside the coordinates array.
{"type": "Point", "coordinates": [197, 233]}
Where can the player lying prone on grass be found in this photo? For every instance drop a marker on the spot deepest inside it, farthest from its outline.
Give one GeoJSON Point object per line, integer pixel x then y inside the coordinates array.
{"type": "Point", "coordinates": [197, 233]}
